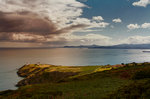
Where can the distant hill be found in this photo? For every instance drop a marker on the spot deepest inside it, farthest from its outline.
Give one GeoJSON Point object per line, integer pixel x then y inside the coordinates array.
{"type": "Point", "coordinates": [120, 46]}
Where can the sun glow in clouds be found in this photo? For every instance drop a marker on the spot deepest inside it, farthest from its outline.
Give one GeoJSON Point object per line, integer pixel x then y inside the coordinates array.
{"type": "Point", "coordinates": [52, 19]}
{"type": "Point", "coordinates": [47, 22]}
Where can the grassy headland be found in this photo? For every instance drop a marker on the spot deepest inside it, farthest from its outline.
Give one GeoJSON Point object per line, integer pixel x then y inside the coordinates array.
{"type": "Point", "coordinates": [126, 81]}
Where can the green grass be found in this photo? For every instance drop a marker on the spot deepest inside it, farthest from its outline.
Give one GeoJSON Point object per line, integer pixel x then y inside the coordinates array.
{"type": "Point", "coordinates": [139, 89]}
{"type": "Point", "coordinates": [37, 74]}
{"type": "Point", "coordinates": [90, 89]}
{"type": "Point", "coordinates": [92, 82]}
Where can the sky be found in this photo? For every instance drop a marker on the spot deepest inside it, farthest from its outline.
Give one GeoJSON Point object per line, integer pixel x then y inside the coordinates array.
{"type": "Point", "coordinates": [54, 23]}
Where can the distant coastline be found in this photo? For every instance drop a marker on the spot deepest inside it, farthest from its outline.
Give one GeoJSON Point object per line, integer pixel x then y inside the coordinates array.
{"type": "Point", "coordinates": [120, 46]}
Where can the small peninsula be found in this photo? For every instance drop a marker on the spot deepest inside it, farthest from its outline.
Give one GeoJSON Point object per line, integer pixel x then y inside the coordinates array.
{"type": "Point", "coordinates": [44, 81]}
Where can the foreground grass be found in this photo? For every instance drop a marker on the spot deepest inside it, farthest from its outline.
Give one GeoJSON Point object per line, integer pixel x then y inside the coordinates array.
{"type": "Point", "coordinates": [130, 81]}
{"type": "Point", "coordinates": [90, 89]}
{"type": "Point", "coordinates": [136, 90]}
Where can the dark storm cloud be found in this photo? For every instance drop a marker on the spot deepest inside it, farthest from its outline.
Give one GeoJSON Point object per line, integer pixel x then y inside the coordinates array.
{"type": "Point", "coordinates": [40, 21]}
{"type": "Point", "coordinates": [30, 24]}
{"type": "Point", "coordinates": [6, 37]}
{"type": "Point", "coordinates": [25, 22]}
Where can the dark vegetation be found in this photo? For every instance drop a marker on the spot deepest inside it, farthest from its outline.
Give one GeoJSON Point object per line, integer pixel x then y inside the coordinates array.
{"type": "Point", "coordinates": [125, 81]}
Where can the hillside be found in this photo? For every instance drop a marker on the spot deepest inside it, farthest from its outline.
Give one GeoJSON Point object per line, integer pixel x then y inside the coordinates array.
{"type": "Point", "coordinates": [91, 82]}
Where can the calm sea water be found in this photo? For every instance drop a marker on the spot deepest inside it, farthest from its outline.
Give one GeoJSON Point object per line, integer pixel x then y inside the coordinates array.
{"type": "Point", "coordinates": [11, 59]}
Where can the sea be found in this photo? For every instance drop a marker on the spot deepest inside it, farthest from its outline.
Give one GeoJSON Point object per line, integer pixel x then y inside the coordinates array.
{"type": "Point", "coordinates": [12, 59]}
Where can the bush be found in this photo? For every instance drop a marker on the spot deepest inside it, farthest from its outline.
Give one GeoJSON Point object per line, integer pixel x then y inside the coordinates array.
{"type": "Point", "coordinates": [136, 90]}
{"type": "Point", "coordinates": [141, 74]}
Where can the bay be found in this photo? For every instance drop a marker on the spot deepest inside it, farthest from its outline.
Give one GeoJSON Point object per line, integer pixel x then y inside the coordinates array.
{"type": "Point", "coordinates": [12, 59]}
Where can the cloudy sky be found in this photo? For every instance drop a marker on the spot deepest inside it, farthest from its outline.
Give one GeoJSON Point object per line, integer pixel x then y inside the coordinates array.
{"type": "Point", "coordinates": [44, 23]}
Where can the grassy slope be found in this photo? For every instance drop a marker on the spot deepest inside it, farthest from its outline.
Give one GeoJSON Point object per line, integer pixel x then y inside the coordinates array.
{"type": "Point", "coordinates": [36, 74]}
{"type": "Point", "coordinates": [91, 82]}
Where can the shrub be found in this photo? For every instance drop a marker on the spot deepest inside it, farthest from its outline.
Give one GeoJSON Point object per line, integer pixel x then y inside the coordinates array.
{"type": "Point", "coordinates": [141, 74]}
{"type": "Point", "coordinates": [135, 90]}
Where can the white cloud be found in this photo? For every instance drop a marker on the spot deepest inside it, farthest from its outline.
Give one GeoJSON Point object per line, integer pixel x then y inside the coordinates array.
{"type": "Point", "coordinates": [28, 37]}
{"type": "Point", "coordinates": [90, 30]}
{"type": "Point", "coordinates": [137, 40]}
{"type": "Point", "coordinates": [87, 39]}
{"type": "Point", "coordinates": [102, 40]}
{"type": "Point", "coordinates": [98, 18]}
{"type": "Point", "coordinates": [118, 20]}
{"type": "Point", "coordinates": [83, 0]}
{"type": "Point", "coordinates": [136, 26]}
{"type": "Point", "coordinates": [57, 10]}
{"type": "Point", "coordinates": [64, 13]}
{"type": "Point", "coordinates": [133, 26]}
{"type": "Point", "coordinates": [90, 23]}
{"type": "Point", "coordinates": [142, 3]}
{"type": "Point", "coordinates": [145, 25]}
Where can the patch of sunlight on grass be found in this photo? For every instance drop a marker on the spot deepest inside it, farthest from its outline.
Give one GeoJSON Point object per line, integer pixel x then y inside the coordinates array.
{"type": "Point", "coordinates": [63, 69]}
{"type": "Point", "coordinates": [102, 69]}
